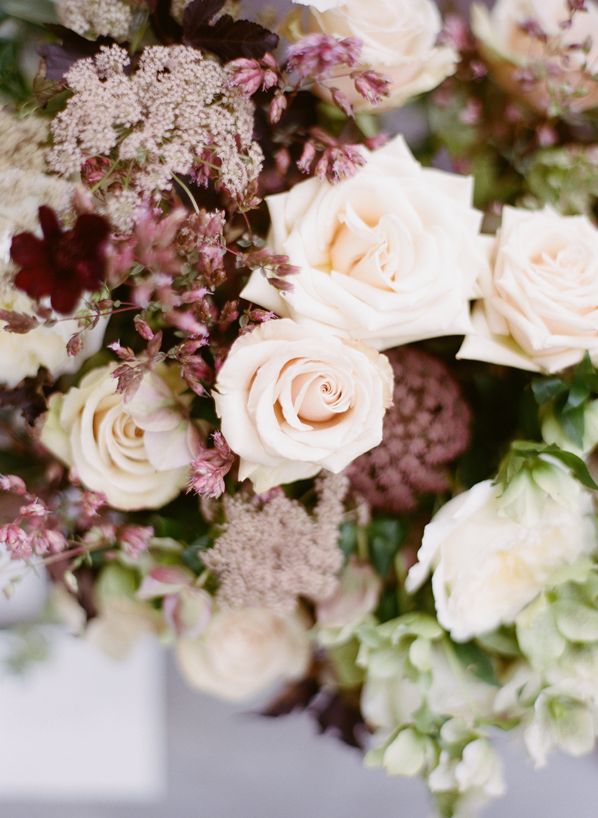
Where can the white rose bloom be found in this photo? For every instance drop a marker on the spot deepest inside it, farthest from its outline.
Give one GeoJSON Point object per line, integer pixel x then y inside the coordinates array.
{"type": "Point", "coordinates": [135, 452]}
{"type": "Point", "coordinates": [244, 651]}
{"type": "Point", "coordinates": [21, 355]}
{"type": "Point", "coordinates": [487, 565]}
{"type": "Point", "coordinates": [388, 257]}
{"type": "Point", "coordinates": [354, 599]}
{"type": "Point", "coordinates": [508, 48]}
{"type": "Point", "coordinates": [294, 399]}
{"type": "Point", "coordinates": [399, 41]}
{"type": "Point", "coordinates": [540, 304]}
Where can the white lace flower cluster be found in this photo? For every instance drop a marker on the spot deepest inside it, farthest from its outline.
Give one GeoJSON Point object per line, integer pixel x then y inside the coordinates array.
{"type": "Point", "coordinates": [97, 18]}
{"type": "Point", "coordinates": [176, 114]}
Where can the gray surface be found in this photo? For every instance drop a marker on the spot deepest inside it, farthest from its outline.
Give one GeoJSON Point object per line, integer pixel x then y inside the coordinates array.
{"type": "Point", "coordinates": [224, 763]}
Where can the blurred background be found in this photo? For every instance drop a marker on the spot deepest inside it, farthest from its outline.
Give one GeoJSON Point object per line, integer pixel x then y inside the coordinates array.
{"type": "Point", "coordinates": [82, 736]}
{"type": "Point", "coordinates": [85, 737]}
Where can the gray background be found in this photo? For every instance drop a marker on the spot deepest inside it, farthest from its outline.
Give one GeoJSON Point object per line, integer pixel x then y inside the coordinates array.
{"type": "Point", "coordinates": [226, 763]}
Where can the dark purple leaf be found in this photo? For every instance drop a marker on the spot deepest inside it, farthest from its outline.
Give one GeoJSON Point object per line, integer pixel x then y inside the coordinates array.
{"type": "Point", "coordinates": [165, 27]}
{"type": "Point", "coordinates": [200, 13]}
{"type": "Point", "coordinates": [294, 696]}
{"type": "Point", "coordinates": [29, 396]}
{"type": "Point", "coordinates": [229, 38]}
{"type": "Point", "coordinates": [341, 717]}
{"type": "Point", "coordinates": [60, 57]}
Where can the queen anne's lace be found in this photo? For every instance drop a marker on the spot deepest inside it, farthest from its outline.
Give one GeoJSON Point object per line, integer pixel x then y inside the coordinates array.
{"type": "Point", "coordinates": [97, 18]}
{"type": "Point", "coordinates": [177, 114]}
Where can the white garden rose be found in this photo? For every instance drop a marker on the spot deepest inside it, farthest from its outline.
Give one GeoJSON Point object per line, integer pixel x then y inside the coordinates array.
{"type": "Point", "coordinates": [135, 452]}
{"type": "Point", "coordinates": [399, 41]}
{"type": "Point", "coordinates": [508, 48]}
{"type": "Point", "coordinates": [244, 651]}
{"type": "Point", "coordinates": [540, 303]}
{"type": "Point", "coordinates": [389, 256]}
{"type": "Point", "coordinates": [492, 555]}
{"type": "Point", "coordinates": [295, 399]}
{"type": "Point", "coordinates": [21, 355]}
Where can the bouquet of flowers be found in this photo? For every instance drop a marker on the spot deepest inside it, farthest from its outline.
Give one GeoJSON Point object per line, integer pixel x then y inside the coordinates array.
{"type": "Point", "coordinates": [312, 405]}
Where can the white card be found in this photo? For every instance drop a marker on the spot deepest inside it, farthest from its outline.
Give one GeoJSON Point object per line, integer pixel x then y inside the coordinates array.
{"type": "Point", "coordinates": [83, 727]}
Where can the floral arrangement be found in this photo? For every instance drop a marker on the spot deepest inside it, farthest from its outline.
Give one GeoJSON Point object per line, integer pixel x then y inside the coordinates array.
{"type": "Point", "coordinates": [313, 406]}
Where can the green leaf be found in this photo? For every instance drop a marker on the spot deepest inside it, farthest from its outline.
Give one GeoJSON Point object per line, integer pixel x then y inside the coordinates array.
{"type": "Point", "coordinates": [388, 606]}
{"type": "Point", "coordinates": [546, 389]}
{"type": "Point", "coordinates": [32, 11]}
{"type": "Point", "coordinates": [525, 449]}
{"type": "Point", "coordinates": [191, 555]}
{"type": "Point", "coordinates": [347, 539]}
{"type": "Point", "coordinates": [12, 81]}
{"type": "Point", "coordinates": [574, 424]}
{"type": "Point", "coordinates": [385, 537]}
{"type": "Point", "coordinates": [476, 661]}
{"type": "Point", "coordinates": [578, 394]}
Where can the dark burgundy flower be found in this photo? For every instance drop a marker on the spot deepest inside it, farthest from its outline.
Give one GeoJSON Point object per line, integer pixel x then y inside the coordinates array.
{"type": "Point", "coordinates": [63, 264]}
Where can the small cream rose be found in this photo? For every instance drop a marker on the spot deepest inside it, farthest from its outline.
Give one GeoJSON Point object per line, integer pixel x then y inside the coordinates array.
{"type": "Point", "coordinates": [491, 555]}
{"type": "Point", "coordinates": [540, 304]}
{"type": "Point", "coordinates": [244, 651]}
{"type": "Point", "coordinates": [354, 599]}
{"type": "Point", "coordinates": [388, 257]}
{"type": "Point", "coordinates": [135, 452]}
{"type": "Point", "coordinates": [399, 41]}
{"type": "Point", "coordinates": [509, 48]}
{"type": "Point", "coordinates": [21, 355]}
{"type": "Point", "coordinates": [295, 399]}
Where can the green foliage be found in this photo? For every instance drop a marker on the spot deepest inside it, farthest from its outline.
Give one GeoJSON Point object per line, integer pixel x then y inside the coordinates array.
{"type": "Point", "coordinates": [568, 398]}
{"type": "Point", "coordinates": [525, 455]}
{"type": "Point", "coordinates": [191, 556]}
{"type": "Point", "coordinates": [566, 178]}
{"type": "Point", "coordinates": [38, 12]}
{"type": "Point", "coordinates": [385, 537]}
{"type": "Point", "coordinates": [476, 661]}
{"type": "Point", "coordinates": [347, 540]}
{"type": "Point", "coordinates": [13, 84]}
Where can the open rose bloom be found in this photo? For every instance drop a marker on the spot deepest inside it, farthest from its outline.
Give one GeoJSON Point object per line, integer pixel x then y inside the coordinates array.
{"type": "Point", "coordinates": [517, 34]}
{"type": "Point", "coordinates": [539, 309]}
{"type": "Point", "coordinates": [399, 40]}
{"type": "Point", "coordinates": [294, 401]}
{"type": "Point", "coordinates": [310, 401]}
{"type": "Point", "coordinates": [388, 257]}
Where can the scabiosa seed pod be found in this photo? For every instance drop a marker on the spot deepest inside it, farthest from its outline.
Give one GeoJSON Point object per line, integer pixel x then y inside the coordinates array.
{"type": "Point", "coordinates": [426, 428]}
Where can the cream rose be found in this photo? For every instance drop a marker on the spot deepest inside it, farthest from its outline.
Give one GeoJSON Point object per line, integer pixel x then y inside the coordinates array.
{"type": "Point", "coordinates": [294, 400]}
{"type": "Point", "coordinates": [508, 48]}
{"type": "Point", "coordinates": [540, 303]}
{"type": "Point", "coordinates": [399, 41]}
{"type": "Point", "coordinates": [135, 452]}
{"type": "Point", "coordinates": [21, 193]}
{"type": "Point", "coordinates": [244, 651]}
{"type": "Point", "coordinates": [389, 256]}
{"type": "Point", "coordinates": [490, 557]}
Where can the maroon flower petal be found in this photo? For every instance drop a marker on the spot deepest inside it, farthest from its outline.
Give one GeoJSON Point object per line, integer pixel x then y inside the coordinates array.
{"type": "Point", "coordinates": [26, 249]}
{"type": "Point", "coordinates": [66, 295]}
{"type": "Point", "coordinates": [50, 224]}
